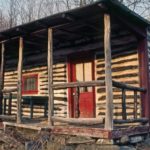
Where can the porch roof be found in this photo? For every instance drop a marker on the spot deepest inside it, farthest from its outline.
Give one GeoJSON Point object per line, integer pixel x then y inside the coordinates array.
{"type": "Point", "coordinates": [60, 19]}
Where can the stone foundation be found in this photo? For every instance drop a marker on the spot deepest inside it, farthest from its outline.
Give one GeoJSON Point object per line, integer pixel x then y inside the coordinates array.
{"type": "Point", "coordinates": [45, 140]}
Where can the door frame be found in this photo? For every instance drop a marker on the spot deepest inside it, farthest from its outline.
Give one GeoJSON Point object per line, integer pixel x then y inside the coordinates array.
{"type": "Point", "coordinates": [76, 57]}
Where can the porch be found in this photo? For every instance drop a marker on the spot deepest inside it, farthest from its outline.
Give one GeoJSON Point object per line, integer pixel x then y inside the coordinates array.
{"type": "Point", "coordinates": [87, 127]}
{"type": "Point", "coordinates": [47, 40]}
{"type": "Point", "coordinates": [133, 128]}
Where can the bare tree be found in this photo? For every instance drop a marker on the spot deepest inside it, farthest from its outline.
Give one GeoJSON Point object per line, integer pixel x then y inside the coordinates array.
{"type": "Point", "coordinates": [139, 6]}
{"type": "Point", "coordinates": [16, 12]}
{"type": "Point", "coordinates": [3, 22]}
{"type": "Point", "coordinates": [12, 12]}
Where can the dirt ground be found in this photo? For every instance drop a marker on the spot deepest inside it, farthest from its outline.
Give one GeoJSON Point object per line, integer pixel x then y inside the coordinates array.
{"type": "Point", "coordinates": [13, 139]}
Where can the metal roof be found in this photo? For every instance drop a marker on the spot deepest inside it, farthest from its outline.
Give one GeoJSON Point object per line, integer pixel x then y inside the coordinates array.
{"type": "Point", "coordinates": [60, 19]}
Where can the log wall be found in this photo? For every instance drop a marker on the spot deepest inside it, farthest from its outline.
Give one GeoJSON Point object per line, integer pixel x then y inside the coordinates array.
{"type": "Point", "coordinates": [60, 96]}
{"type": "Point", "coordinates": [124, 69]}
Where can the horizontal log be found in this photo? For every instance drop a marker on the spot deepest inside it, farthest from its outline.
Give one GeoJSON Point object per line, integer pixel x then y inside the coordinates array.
{"type": "Point", "coordinates": [96, 45]}
{"type": "Point", "coordinates": [97, 83]}
{"type": "Point", "coordinates": [128, 87]}
{"type": "Point", "coordinates": [130, 131]}
{"type": "Point", "coordinates": [138, 120]}
{"type": "Point", "coordinates": [93, 121]}
{"type": "Point", "coordinates": [78, 84]}
{"type": "Point", "coordinates": [82, 131]}
{"type": "Point", "coordinates": [9, 90]}
{"type": "Point", "coordinates": [8, 117]}
{"type": "Point", "coordinates": [101, 133]}
{"type": "Point", "coordinates": [14, 97]}
{"type": "Point", "coordinates": [29, 126]}
{"type": "Point", "coordinates": [79, 121]}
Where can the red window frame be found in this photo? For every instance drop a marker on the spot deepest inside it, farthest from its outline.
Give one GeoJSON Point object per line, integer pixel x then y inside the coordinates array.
{"type": "Point", "coordinates": [23, 84]}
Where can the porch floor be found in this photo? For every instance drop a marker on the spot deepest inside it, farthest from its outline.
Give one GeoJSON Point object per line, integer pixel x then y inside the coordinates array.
{"type": "Point", "coordinates": [88, 131]}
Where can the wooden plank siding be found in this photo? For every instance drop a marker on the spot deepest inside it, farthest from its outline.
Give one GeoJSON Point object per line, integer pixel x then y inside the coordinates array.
{"type": "Point", "coordinates": [124, 69]}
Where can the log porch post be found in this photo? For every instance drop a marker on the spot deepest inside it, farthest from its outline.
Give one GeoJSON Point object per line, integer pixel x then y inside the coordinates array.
{"type": "Point", "coordinates": [2, 76]}
{"type": "Point", "coordinates": [144, 76]}
{"type": "Point", "coordinates": [19, 94]}
{"type": "Point", "coordinates": [108, 73]}
{"type": "Point", "coordinates": [50, 76]}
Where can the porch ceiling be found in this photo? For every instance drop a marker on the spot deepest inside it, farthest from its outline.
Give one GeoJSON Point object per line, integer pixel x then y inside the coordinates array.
{"type": "Point", "coordinates": [70, 37]}
{"type": "Point", "coordinates": [66, 36]}
{"type": "Point", "coordinates": [89, 30]}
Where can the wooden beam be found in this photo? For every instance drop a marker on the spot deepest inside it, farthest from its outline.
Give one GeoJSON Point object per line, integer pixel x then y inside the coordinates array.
{"type": "Point", "coordinates": [135, 104]}
{"type": "Point", "coordinates": [95, 121]}
{"type": "Point", "coordinates": [50, 77]}
{"type": "Point", "coordinates": [25, 126]}
{"type": "Point", "coordinates": [108, 73]}
{"type": "Point", "coordinates": [76, 102]}
{"type": "Point", "coordinates": [10, 104]}
{"type": "Point", "coordinates": [2, 75]}
{"type": "Point", "coordinates": [124, 113]}
{"type": "Point", "coordinates": [33, 43]}
{"type": "Point", "coordinates": [19, 94]}
{"type": "Point", "coordinates": [9, 90]}
{"type": "Point", "coordinates": [144, 76]}
{"type": "Point", "coordinates": [82, 131]}
{"type": "Point", "coordinates": [134, 28]}
{"type": "Point", "coordinates": [128, 87]}
{"type": "Point", "coordinates": [79, 121]}
{"type": "Point", "coordinates": [130, 131]}
{"type": "Point", "coordinates": [78, 84]}
{"type": "Point", "coordinates": [4, 106]}
{"type": "Point", "coordinates": [8, 117]}
{"type": "Point", "coordinates": [138, 120]}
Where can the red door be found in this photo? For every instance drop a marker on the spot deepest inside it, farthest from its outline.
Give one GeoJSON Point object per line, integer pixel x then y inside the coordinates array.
{"type": "Point", "coordinates": [82, 70]}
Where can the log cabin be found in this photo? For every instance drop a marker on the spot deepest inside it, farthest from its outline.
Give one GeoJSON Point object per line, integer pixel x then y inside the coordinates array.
{"type": "Point", "coordinates": [88, 67]}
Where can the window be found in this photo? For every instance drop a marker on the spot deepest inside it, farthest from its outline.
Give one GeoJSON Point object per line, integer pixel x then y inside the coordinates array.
{"type": "Point", "coordinates": [30, 84]}
{"type": "Point", "coordinates": [84, 73]}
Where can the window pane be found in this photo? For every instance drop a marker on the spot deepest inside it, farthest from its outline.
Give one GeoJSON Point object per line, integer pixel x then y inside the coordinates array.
{"type": "Point", "coordinates": [84, 73]}
{"type": "Point", "coordinates": [79, 72]}
{"type": "Point", "coordinates": [30, 84]}
{"type": "Point", "coordinates": [87, 71]}
{"type": "Point", "coordinates": [88, 74]}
